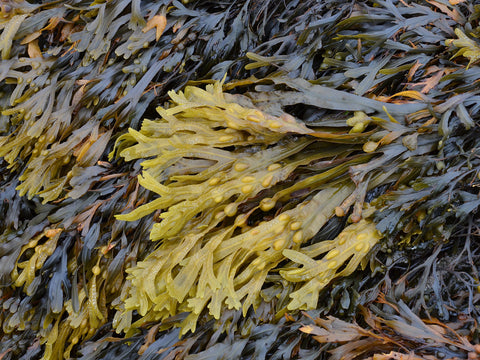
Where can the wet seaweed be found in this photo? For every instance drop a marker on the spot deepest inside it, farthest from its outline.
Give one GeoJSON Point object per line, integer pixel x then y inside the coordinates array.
{"type": "Point", "coordinates": [350, 118]}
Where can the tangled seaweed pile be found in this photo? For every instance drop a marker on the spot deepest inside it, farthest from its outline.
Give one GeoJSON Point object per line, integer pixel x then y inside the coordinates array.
{"type": "Point", "coordinates": [344, 135]}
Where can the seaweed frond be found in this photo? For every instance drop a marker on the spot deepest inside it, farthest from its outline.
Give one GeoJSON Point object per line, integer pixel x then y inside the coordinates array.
{"type": "Point", "coordinates": [349, 248]}
{"type": "Point", "coordinates": [468, 47]}
{"type": "Point", "coordinates": [239, 191]}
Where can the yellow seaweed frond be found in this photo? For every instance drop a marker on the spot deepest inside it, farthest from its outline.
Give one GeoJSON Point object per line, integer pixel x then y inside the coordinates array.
{"type": "Point", "coordinates": [187, 149]}
{"type": "Point", "coordinates": [73, 325]}
{"type": "Point", "coordinates": [468, 48]}
{"type": "Point", "coordinates": [9, 30]}
{"type": "Point", "coordinates": [223, 269]}
{"type": "Point", "coordinates": [27, 275]}
{"type": "Point", "coordinates": [228, 211]}
{"type": "Point", "coordinates": [69, 322]}
{"type": "Point", "coordinates": [359, 121]}
{"type": "Point", "coordinates": [348, 249]}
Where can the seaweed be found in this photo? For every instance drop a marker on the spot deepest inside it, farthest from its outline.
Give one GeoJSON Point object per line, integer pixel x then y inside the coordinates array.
{"type": "Point", "coordinates": [393, 332]}
{"type": "Point", "coordinates": [205, 266]}
{"type": "Point", "coordinates": [280, 137]}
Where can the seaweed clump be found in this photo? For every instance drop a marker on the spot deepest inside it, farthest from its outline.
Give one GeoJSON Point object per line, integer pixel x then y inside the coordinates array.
{"type": "Point", "coordinates": [219, 231]}
{"type": "Point", "coordinates": [290, 144]}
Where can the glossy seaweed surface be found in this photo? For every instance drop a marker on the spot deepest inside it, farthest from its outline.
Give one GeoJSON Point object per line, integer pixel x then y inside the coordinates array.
{"type": "Point", "coordinates": [239, 179]}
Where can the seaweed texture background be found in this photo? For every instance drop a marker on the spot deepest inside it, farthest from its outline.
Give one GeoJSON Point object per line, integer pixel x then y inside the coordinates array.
{"type": "Point", "coordinates": [181, 179]}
